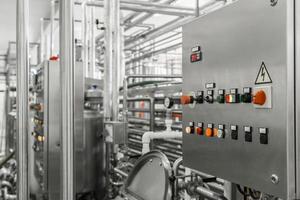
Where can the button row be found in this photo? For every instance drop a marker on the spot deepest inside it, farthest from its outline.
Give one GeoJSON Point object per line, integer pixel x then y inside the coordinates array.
{"type": "Point", "coordinates": [219, 131]}
{"type": "Point", "coordinates": [259, 98]}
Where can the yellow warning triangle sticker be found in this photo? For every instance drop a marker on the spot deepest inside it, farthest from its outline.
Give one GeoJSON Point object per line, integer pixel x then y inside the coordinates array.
{"type": "Point", "coordinates": [263, 75]}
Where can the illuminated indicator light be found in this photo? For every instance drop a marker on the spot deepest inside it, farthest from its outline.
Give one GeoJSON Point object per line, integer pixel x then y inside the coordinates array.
{"type": "Point", "coordinates": [195, 57]}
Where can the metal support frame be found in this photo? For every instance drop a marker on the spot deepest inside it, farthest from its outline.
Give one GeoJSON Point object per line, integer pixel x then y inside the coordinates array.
{"type": "Point", "coordinates": [22, 97]}
{"type": "Point", "coordinates": [67, 63]}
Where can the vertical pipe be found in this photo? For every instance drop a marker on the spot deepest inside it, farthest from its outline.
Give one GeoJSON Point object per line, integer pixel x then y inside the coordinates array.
{"type": "Point", "coordinates": [22, 97]}
{"type": "Point", "coordinates": [107, 61]}
{"type": "Point", "coordinates": [112, 59]}
{"type": "Point", "coordinates": [42, 41]}
{"type": "Point", "coordinates": [92, 43]}
{"type": "Point", "coordinates": [52, 15]}
{"type": "Point", "coordinates": [84, 38]}
{"type": "Point", "coordinates": [67, 62]}
{"type": "Point", "coordinates": [152, 115]}
{"type": "Point", "coordinates": [117, 55]}
{"type": "Point", "coordinates": [197, 11]}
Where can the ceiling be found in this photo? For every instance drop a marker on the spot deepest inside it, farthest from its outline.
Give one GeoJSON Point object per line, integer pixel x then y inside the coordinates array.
{"type": "Point", "coordinates": [38, 9]}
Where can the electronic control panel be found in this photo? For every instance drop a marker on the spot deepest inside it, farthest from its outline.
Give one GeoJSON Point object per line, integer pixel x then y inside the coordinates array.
{"type": "Point", "coordinates": [46, 131]}
{"type": "Point", "coordinates": [236, 94]}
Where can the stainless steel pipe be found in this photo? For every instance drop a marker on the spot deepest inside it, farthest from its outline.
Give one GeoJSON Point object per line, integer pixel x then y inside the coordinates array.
{"type": "Point", "coordinates": [22, 97]}
{"type": "Point", "coordinates": [67, 62]}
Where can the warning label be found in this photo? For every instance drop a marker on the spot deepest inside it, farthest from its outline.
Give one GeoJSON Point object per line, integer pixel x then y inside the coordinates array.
{"type": "Point", "coordinates": [263, 75]}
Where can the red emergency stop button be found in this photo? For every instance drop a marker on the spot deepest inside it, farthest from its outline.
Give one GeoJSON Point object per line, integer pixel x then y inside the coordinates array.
{"type": "Point", "coordinates": [186, 100]}
{"type": "Point", "coordinates": [260, 98]}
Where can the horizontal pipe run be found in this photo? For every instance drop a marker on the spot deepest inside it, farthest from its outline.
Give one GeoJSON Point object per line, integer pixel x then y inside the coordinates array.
{"type": "Point", "coordinates": [209, 194]}
{"type": "Point", "coordinates": [150, 7]}
{"type": "Point", "coordinates": [149, 54]}
{"type": "Point", "coordinates": [118, 171]}
{"type": "Point", "coordinates": [157, 5]}
{"type": "Point", "coordinates": [152, 76]}
{"type": "Point", "coordinates": [57, 19]}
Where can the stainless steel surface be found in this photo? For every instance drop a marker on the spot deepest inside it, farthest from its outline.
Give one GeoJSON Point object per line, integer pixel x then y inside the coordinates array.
{"type": "Point", "coordinates": [88, 143]}
{"type": "Point", "coordinates": [67, 59]}
{"type": "Point", "coordinates": [89, 157]}
{"type": "Point", "coordinates": [52, 129]}
{"type": "Point", "coordinates": [297, 66]}
{"type": "Point", "coordinates": [152, 169]}
{"type": "Point", "coordinates": [235, 41]}
{"type": "Point", "coordinates": [22, 97]}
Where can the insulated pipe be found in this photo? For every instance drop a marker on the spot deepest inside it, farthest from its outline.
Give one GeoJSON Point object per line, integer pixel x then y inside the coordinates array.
{"type": "Point", "coordinates": [67, 62]}
{"type": "Point", "coordinates": [148, 136]}
{"type": "Point", "coordinates": [22, 97]}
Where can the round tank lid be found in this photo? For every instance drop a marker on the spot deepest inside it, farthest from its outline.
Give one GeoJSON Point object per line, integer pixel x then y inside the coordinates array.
{"type": "Point", "coordinates": [149, 178]}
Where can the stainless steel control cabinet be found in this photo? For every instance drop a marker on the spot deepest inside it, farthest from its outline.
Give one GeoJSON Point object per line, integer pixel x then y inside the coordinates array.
{"type": "Point", "coordinates": [247, 45]}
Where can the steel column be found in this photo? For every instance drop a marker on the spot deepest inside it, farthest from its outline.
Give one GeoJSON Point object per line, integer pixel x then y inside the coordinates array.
{"type": "Point", "coordinates": [22, 97]}
{"type": "Point", "coordinates": [67, 62]}
{"type": "Point", "coordinates": [52, 19]}
{"type": "Point", "coordinates": [112, 59]}
{"type": "Point", "coordinates": [84, 39]}
{"type": "Point", "coordinates": [92, 68]}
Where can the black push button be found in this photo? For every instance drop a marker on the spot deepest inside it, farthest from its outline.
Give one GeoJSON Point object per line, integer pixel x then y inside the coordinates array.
{"type": "Point", "coordinates": [263, 138]}
{"type": "Point", "coordinates": [247, 96]}
{"type": "Point", "coordinates": [248, 137]}
{"type": "Point", "coordinates": [234, 135]}
{"type": "Point", "coordinates": [234, 132]}
{"type": "Point", "coordinates": [221, 96]}
{"type": "Point", "coordinates": [200, 97]}
{"type": "Point", "coordinates": [263, 135]}
{"type": "Point", "coordinates": [248, 133]}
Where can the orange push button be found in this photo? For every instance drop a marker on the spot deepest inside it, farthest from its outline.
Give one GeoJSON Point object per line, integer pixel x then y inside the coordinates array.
{"type": "Point", "coordinates": [186, 100]}
{"type": "Point", "coordinates": [260, 98]}
{"type": "Point", "coordinates": [209, 132]}
{"type": "Point", "coordinates": [215, 132]}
